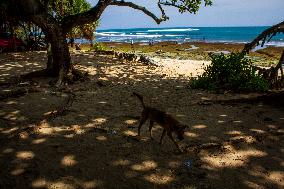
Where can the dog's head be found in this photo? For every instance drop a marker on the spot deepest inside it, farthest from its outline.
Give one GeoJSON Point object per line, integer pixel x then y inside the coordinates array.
{"type": "Point", "coordinates": [180, 131]}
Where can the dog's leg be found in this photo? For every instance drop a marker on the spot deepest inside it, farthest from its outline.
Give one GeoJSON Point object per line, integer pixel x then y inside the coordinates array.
{"type": "Point", "coordinates": [142, 121]}
{"type": "Point", "coordinates": [162, 136]}
{"type": "Point", "coordinates": [150, 128]}
{"type": "Point", "coordinates": [171, 137]}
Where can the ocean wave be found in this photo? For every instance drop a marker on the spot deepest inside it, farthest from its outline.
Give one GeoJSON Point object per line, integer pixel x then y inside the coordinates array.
{"type": "Point", "coordinates": [173, 30]}
{"type": "Point", "coordinates": [171, 35]}
{"type": "Point", "coordinates": [105, 34]}
{"type": "Point", "coordinates": [111, 32]}
{"type": "Point", "coordinates": [127, 35]}
{"type": "Point", "coordinates": [275, 44]}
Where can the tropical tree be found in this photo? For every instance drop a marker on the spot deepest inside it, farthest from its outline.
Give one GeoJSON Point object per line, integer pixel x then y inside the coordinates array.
{"type": "Point", "coordinates": [62, 8]}
{"type": "Point", "coordinates": [57, 26]}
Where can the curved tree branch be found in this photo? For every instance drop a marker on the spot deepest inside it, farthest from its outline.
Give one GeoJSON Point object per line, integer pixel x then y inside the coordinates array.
{"type": "Point", "coordinates": [143, 9]}
{"type": "Point", "coordinates": [94, 13]}
{"type": "Point", "coordinates": [191, 6]}
{"type": "Point", "coordinates": [268, 33]}
{"type": "Point", "coordinates": [89, 16]}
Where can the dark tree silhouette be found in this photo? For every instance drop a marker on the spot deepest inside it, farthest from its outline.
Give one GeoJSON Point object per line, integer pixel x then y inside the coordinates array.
{"type": "Point", "coordinates": [56, 29]}
{"type": "Point", "coordinates": [272, 73]}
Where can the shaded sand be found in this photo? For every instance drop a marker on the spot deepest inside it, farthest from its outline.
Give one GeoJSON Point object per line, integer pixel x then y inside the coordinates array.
{"type": "Point", "coordinates": [93, 144]}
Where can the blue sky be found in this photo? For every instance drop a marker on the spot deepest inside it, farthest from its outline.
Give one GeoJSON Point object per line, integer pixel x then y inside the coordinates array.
{"type": "Point", "coordinates": [222, 13]}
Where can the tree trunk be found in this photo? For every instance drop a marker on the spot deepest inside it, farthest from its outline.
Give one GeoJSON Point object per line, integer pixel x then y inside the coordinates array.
{"type": "Point", "coordinates": [60, 64]}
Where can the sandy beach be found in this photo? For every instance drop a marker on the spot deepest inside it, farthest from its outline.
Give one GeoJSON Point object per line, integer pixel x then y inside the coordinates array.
{"type": "Point", "coordinates": [188, 68]}
{"type": "Point", "coordinates": [228, 144]}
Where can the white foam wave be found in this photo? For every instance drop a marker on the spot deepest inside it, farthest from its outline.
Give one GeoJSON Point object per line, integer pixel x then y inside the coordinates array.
{"type": "Point", "coordinates": [170, 35]}
{"type": "Point", "coordinates": [111, 32]}
{"type": "Point", "coordinates": [173, 30]}
{"type": "Point", "coordinates": [275, 44]}
{"type": "Point", "coordinates": [127, 35]}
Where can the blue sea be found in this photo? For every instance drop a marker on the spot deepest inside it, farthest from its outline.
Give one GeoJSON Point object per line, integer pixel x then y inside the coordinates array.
{"type": "Point", "coordinates": [186, 34]}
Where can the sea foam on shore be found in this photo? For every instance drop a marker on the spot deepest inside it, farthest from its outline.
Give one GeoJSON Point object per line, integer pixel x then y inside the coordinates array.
{"type": "Point", "coordinates": [186, 34]}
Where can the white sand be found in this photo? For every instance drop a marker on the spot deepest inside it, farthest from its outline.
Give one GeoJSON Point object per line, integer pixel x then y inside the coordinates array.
{"type": "Point", "coordinates": [182, 67]}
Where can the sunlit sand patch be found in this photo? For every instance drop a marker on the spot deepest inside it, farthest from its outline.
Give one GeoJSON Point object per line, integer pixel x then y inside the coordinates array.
{"type": "Point", "coordinates": [12, 102]}
{"type": "Point", "coordinates": [223, 115]}
{"type": "Point", "coordinates": [101, 138]}
{"type": "Point", "coordinates": [144, 166]}
{"type": "Point", "coordinates": [174, 164]}
{"type": "Point", "coordinates": [253, 185]}
{"type": "Point", "coordinates": [237, 121]}
{"type": "Point", "coordinates": [77, 129]}
{"type": "Point", "coordinates": [68, 160]}
{"type": "Point", "coordinates": [233, 159]}
{"type": "Point", "coordinates": [14, 115]}
{"type": "Point", "coordinates": [91, 184]}
{"type": "Point", "coordinates": [48, 113]}
{"type": "Point", "coordinates": [122, 162]}
{"type": "Point", "coordinates": [38, 141]}
{"type": "Point", "coordinates": [8, 131]}
{"type": "Point", "coordinates": [25, 155]}
{"type": "Point", "coordinates": [39, 183]}
{"type": "Point", "coordinates": [59, 184]}
{"type": "Point", "coordinates": [191, 135]}
{"type": "Point", "coordinates": [234, 133]}
{"type": "Point", "coordinates": [69, 136]}
{"type": "Point", "coordinates": [8, 150]}
{"type": "Point", "coordinates": [131, 122]}
{"type": "Point", "coordinates": [45, 129]}
{"type": "Point", "coordinates": [277, 177]}
{"type": "Point", "coordinates": [130, 133]}
{"type": "Point", "coordinates": [99, 121]}
{"type": "Point", "coordinates": [199, 126]}
{"type": "Point", "coordinates": [159, 178]}
{"type": "Point", "coordinates": [259, 131]}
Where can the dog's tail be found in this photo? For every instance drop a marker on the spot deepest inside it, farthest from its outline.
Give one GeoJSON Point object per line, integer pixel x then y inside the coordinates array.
{"type": "Point", "coordinates": [140, 98]}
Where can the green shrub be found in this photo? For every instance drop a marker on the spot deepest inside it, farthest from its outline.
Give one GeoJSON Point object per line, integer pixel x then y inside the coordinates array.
{"type": "Point", "coordinates": [99, 47]}
{"type": "Point", "coordinates": [230, 72]}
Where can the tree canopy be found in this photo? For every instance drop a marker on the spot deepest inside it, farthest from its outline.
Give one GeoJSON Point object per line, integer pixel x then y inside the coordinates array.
{"type": "Point", "coordinates": [58, 18]}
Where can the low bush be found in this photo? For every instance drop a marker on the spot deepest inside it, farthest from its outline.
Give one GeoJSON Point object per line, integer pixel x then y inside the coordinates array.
{"type": "Point", "coordinates": [230, 72]}
{"type": "Point", "coordinates": [99, 47]}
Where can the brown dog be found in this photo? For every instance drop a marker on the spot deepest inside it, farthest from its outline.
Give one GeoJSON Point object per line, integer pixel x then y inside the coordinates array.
{"type": "Point", "coordinates": [169, 123]}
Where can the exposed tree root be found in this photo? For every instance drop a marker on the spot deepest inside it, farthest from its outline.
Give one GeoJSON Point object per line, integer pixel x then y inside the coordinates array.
{"type": "Point", "coordinates": [36, 74]}
{"type": "Point", "coordinates": [272, 98]}
{"type": "Point", "coordinates": [33, 128]}
{"type": "Point", "coordinates": [17, 92]}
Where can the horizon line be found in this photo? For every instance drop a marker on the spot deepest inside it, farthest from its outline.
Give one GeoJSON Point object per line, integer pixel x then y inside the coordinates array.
{"type": "Point", "coordinates": [182, 27]}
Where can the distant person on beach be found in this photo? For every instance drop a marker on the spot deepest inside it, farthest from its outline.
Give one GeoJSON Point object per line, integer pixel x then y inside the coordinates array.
{"type": "Point", "coordinates": [151, 42]}
{"type": "Point", "coordinates": [77, 47]}
{"type": "Point", "coordinates": [132, 46]}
